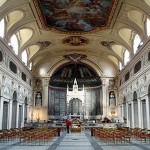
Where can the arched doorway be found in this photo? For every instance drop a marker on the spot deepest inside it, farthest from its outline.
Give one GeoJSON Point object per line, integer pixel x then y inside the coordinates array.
{"type": "Point", "coordinates": [75, 106]}
{"type": "Point", "coordinates": [14, 110]}
{"type": "Point", "coordinates": [135, 107]}
{"type": "Point", "coordinates": [130, 115]}
{"type": "Point", "coordinates": [20, 116]}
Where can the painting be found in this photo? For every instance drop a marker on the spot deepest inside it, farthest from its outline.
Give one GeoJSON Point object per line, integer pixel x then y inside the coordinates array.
{"type": "Point", "coordinates": [76, 15]}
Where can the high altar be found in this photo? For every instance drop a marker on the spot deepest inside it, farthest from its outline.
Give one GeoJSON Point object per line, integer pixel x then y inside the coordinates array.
{"type": "Point", "coordinates": [75, 101]}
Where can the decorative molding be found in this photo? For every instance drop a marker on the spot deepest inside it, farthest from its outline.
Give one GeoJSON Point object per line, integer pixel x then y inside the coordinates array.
{"type": "Point", "coordinates": [75, 57]}
{"type": "Point", "coordinates": [75, 41]}
{"type": "Point", "coordinates": [107, 43]}
{"type": "Point", "coordinates": [43, 44]}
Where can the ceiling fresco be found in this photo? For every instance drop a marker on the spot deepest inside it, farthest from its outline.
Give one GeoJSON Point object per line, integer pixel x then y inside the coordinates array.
{"type": "Point", "coordinates": [67, 73]}
{"type": "Point", "coordinates": [56, 32]}
{"type": "Point", "coordinates": [75, 15]}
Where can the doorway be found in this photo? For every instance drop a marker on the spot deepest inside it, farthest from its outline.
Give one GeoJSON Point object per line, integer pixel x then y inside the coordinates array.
{"type": "Point", "coordinates": [75, 106]}
{"type": "Point", "coordinates": [14, 110]}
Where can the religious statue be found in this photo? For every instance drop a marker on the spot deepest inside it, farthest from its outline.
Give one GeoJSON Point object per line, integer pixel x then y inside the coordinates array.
{"type": "Point", "coordinates": [112, 99]}
{"type": "Point", "coordinates": [38, 99]}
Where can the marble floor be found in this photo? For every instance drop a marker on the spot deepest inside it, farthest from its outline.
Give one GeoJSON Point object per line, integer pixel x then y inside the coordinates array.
{"type": "Point", "coordinates": [73, 141]}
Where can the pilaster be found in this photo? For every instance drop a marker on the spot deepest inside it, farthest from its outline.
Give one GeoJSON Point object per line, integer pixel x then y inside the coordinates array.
{"type": "Point", "coordinates": [147, 111]}
{"type": "Point", "coordinates": [132, 111]}
{"type": "Point", "coordinates": [9, 114]}
{"type": "Point", "coordinates": [140, 113]}
{"type": "Point", "coordinates": [127, 109]}
{"type": "Point", "coordinates": [17, 115]}
{"type": "Point", "coordinates": [1, 112]}
{"type": "Point", "coordinates": [23, 109]}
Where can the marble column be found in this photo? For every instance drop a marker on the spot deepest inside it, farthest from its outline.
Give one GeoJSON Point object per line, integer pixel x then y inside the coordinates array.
{"type": "Point", "coordinates": [147, 112]}
{"type": "Point", "coordinates": [105, 98]}
{"type": "Point", "coordinates": [140, 113]}
{"type": "Point", "coordinates": [132, 111]}
{"type": "Point", "coordinates": [136, 121]}
{"type": "Point", "coordinates": [1, 112]}
{"type": "Point", "coordinates": [143, 112]}
{"type": "Point", "coordinates": [17, 114]}
{"type": "Point", "coordinates": [122, 111]}
{"type": "Point", "coordinates": [22, 121]}
{"type": "Point", "coordinates": [127, 110]}
{"type": "Point", "coordinates": [9, 114]}
{"type": "Point", "coordinates": [28, 114]}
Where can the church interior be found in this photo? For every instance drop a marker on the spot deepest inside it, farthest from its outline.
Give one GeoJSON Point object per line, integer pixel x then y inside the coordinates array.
{"type": "Point", "coordinates": [87, 61]}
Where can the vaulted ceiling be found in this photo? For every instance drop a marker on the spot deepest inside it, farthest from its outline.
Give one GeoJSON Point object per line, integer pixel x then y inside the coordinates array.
{"type": "Point", "coordinates": [92, 32]}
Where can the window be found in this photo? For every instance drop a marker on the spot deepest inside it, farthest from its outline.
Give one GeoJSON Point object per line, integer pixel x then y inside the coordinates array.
{"type": "Point", "coordinates": [126, 57]}
{"type": "Point", "coordinates": [137, 67]}
{"type": "Point", "coordinates": [30, 66]}
{"type": "Point", "coordinates": [136, 43]}
{"type": "Point", "coordinates": [13, 67]}
{"type": "Point", "coordinates": [147, 27]}
{"type": "Point", "coordinates": [127, 76]}
{"type": "Point", "coordinates": [120, 82]}
{"type": "Point", "coordinates": [1, 56]}
{"type": "Point", "coordinates": [23, 76]}
{"type": "Point", "coordinates": [14, 43]}
{"type": "Point", "coordinates": [30, 82]}
{"type": "Point", "coordinates": [24, 57]}
{"type": "Point", "coordinates": [2, 28]}
{"type": "Point", "coordinates": [2, 2]}
{"type": "Point", "coordinates": [149, 56]}
{"type": "Point", "coordinates": [120, 66]}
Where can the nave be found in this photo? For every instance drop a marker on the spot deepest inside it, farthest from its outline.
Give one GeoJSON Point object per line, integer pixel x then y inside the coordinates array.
{"type": "Point", "coordinates": [72, 141]}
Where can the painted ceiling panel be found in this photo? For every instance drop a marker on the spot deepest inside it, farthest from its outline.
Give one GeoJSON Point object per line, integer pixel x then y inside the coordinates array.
{"type": "Point", "coordinates": [75, 16]}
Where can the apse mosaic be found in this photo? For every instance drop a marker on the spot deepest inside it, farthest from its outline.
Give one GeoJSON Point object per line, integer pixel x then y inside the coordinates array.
{"type": "Point", "coordinates": [75, 15]}
{"type": "Point", "coordinates": [66, 74]}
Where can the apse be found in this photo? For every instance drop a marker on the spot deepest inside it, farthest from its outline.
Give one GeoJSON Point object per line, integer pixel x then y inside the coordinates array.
{"type": "Point", "coordinates": [66, 74]}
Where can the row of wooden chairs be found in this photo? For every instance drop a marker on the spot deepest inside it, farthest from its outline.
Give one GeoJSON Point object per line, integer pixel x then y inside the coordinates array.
{"type": "Point", "coordinates": [122, 135]}
{"type": "Point", "coordinates": [9, 134]}
{"type": "Point", "coordinates": [24, 135]}
{"type": "Point", "coordinates": [38, 136]}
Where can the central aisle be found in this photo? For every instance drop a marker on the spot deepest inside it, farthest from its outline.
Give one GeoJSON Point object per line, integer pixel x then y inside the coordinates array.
{"type": "Point", "coordinates": [75, 141]}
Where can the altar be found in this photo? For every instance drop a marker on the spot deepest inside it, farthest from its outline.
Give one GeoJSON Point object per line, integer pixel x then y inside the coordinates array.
{"type": "Point", "coordinates": [76, 125]}
{"type": "Point", "coordinates": [76, 116]}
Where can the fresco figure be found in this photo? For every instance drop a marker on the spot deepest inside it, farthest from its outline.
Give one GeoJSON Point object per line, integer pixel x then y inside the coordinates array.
{"type": "Point", "coordinates": [76, 15]}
